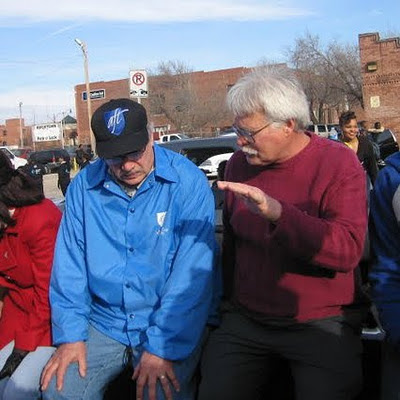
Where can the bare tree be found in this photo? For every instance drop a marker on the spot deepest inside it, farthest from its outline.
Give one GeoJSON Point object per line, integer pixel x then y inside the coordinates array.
{"type": "Point", "coordinates": [331, 75]}
{"type": "Point", "coordinates": [171, 92]}
{"type": "Point", "coordinates": [189, 105]}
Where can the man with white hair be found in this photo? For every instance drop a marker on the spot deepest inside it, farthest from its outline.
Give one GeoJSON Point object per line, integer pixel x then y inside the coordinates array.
{"type": "Point", "coordinates": [295, 220]}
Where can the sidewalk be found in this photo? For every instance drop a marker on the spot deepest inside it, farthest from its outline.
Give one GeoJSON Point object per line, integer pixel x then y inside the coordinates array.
{"type": "Point", "coordinates": [51, 190]}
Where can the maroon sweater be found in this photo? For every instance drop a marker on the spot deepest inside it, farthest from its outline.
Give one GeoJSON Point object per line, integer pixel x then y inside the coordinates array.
{"type": "Point", "coordinates": [302, 268]}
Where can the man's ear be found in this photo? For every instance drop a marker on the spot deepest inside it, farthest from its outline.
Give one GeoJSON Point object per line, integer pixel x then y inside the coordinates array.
{"type": "Point", "coordinates": [290, 125]}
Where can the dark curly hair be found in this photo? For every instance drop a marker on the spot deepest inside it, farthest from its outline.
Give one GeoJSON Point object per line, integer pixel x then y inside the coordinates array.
{"type": "Point", "coordinates": [17, 189]}
{"type": "Point", "coordinates": [346, 117]}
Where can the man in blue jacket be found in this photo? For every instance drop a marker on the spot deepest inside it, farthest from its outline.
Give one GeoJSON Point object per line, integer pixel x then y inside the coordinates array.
{"type": "Point", "coordinates": [133, 269]}
{"type": "Point", "coordinates": [385, 276]}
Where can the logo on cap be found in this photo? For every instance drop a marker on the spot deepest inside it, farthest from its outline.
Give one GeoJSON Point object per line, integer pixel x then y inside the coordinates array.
{"type": "Point", "coordinates": [115, 120]}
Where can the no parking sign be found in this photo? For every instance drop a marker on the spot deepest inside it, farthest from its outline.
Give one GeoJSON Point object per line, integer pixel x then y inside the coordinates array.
{"type": "Point", "coordinates": [138, 83]}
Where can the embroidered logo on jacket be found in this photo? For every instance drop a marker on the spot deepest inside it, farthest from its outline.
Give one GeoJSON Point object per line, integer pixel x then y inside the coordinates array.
{"type": "Point", "coordinates": [160, 221]}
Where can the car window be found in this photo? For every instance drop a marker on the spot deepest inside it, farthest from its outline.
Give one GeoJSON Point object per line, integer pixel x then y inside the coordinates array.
{"type": "Point", "coordinates": [384, 136]}
{"type": "Point", "coordinates": [199, 155]}
{"type": "Point", "coordinates": [18, 152]}
{"type": "Point", "coordinates": [321, 128]}
{"type": "Point", "coordinates": [7, 153]}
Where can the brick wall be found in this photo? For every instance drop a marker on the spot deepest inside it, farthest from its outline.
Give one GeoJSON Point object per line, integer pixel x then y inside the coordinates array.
{"type": "Point", "coordinates": [380, 67]}
{"type": "Point", "coordinates": [10, 133]}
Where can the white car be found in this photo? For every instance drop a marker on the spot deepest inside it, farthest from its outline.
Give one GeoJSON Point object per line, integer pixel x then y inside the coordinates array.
{"type": "Point", "coordinates": [172, 136]}
{"type": "Point", "coordinates": [210, 166]}
{"type": "Point", "coordinates": [15, 161]}
{"type": "Point", "coordinates": [319, 129]}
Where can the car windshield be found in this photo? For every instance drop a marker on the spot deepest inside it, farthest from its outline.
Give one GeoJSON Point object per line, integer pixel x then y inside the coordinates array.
{"type": "Point", "coordinates": [7, 152]}
{"type": "Point", "coordinates": [19, 152]}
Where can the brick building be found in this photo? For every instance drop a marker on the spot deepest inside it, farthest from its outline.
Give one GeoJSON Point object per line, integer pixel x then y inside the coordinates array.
{"type": "Point", "coordinates": [380, 69]}
{"type": "Point", "coordinates": [10, 133]}
{"type": "Point", "coordinates": [206, 85]}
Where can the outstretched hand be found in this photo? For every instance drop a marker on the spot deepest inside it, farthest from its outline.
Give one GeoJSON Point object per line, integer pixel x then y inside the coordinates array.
{"type": "Point", "coordinates": [255, 199]}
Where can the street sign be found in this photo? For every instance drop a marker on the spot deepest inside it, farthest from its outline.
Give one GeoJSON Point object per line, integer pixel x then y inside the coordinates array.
{"type": "Point", "coordinates": [138, 83]}
{"type": "Point", "coordinates": [46, 132]}
{"type": "Point", "coordinates": [94, 94]}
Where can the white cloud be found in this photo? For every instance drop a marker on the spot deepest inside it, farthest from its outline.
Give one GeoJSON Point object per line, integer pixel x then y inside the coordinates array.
{"type": "Point", "coordinates": [147, 11]}
{"type": "Point", "coordinates": [375, 13]}
{"type": "Point", "coordinates": [38, 105]}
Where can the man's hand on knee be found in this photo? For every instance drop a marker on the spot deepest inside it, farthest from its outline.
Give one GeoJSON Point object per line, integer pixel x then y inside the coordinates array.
{"type": "Point", "coordinates": [66, 354]}
{"type": "Point", "coordinates": [151, 369]}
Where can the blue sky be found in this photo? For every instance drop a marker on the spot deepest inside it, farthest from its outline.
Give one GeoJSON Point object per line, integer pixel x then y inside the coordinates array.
{"type": "Point", "coordinates": [40, 63]}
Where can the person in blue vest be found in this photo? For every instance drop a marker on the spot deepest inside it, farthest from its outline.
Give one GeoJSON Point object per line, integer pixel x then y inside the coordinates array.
{"type": "Point", "coordinates": [134, 271]}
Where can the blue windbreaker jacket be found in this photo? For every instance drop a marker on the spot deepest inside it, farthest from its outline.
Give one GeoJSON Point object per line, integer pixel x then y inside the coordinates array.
{"type": "Point", "coordinates": [141, 270]}
{"type": "Point", "coordinates": [385, 275]}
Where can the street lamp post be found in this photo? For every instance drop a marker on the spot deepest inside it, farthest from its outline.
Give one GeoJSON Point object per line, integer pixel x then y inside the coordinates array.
{"type": "Point", "coordinates": [21, 135]}
{"type": "Point", "coordinates": [83, 47]}
{"type": "Point", "coordinates": [62, 132]}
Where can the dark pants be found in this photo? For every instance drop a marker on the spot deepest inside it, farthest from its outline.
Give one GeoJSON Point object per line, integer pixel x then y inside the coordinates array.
{"type": "Point", "coordinates": [390, 387]}
{"type": "Point", "coordinates": [239, 358]}
{"type": "Point", "coordinates": [63, 185]}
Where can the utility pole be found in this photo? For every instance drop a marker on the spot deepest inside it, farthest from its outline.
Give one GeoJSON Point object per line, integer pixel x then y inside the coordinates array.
{"type": "Point", "coordinates": [21, 134]}
{"type": "Point", "coordinates": [83, 47]}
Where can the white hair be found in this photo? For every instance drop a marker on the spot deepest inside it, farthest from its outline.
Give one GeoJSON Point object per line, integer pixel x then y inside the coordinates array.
{"type": "Point", "coordinates": [272, 90]}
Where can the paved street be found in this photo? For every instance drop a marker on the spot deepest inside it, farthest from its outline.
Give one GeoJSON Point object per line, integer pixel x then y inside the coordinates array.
{"type": "Point", "coordinates": [51, 190]}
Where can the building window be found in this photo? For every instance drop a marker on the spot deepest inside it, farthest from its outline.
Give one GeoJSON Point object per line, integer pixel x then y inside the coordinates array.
{"type": "Point", "coordinates": [372, 66]}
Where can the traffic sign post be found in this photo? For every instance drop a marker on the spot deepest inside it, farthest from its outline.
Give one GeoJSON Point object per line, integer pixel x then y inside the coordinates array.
{"type": "Point", "coordinates": [138, 84]}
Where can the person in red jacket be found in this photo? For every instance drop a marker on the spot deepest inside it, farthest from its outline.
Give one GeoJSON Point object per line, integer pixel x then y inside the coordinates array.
{"type": "Point", "coordinates": [28, 229]}
{"type": "Point", "coordinates": [295, 220]}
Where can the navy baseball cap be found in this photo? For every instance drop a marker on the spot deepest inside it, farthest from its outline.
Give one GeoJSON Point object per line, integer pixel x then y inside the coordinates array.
{"type": "Point", "coordinates": [120, 127]}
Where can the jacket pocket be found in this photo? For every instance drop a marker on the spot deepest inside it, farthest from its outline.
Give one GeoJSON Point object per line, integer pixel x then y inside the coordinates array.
{"type": "Point", "coordinates": [15, 270]}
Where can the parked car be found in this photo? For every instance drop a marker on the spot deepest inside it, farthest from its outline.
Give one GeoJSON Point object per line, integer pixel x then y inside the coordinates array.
{"type": "Point", "coordinates": [15, 160]}
{"type": "Point", "coordinates": [386, 141]}
{"type": "Point", "coordinates": [23, 152]}
{"type": "Point", "coordinates": [319, 129]}
{"type": "Point", "coordinates": [210, 166]}
{"type": "Point", "coordinates": [172, 136]}
{"type": "Point", "coordinates": [199, 150]}
{"type": "Point", "coordinates": [49, 158]}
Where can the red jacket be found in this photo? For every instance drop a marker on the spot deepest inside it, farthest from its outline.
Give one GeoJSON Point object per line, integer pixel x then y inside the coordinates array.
{"type": "Point", "coordinates": [26, 256]}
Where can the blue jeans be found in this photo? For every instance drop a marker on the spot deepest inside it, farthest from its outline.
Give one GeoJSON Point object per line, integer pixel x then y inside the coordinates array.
{"type": "Point", "coordinates": [24, 382]}
{"type": "Point", "coordinates": [105, 361]}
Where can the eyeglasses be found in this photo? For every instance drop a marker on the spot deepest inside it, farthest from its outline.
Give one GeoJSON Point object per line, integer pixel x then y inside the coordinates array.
{"type": "Point", "coordinates": [134, 156]}
{"type": "Point", "coordinates": [248, 135]}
